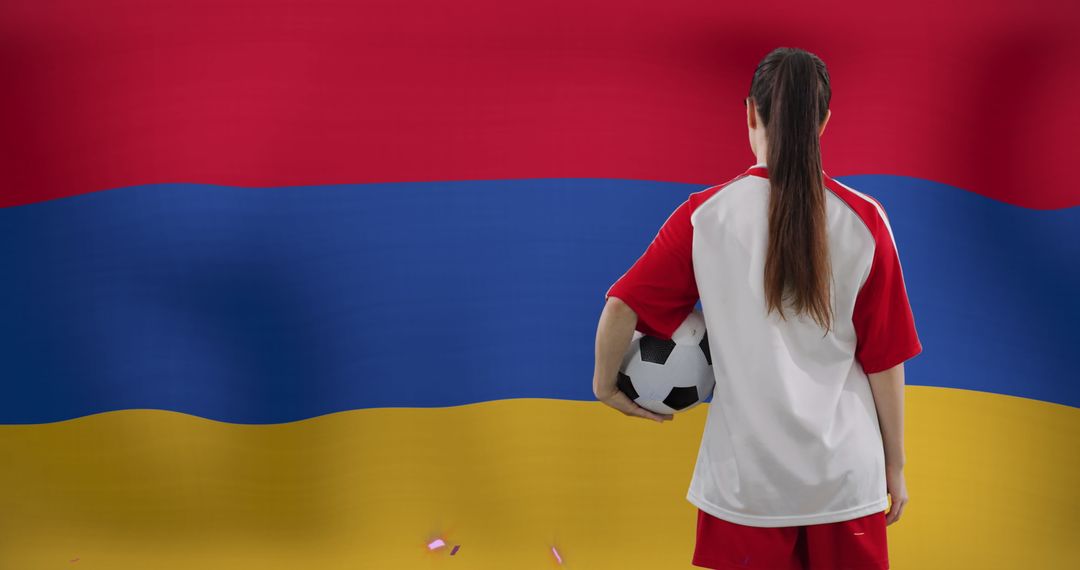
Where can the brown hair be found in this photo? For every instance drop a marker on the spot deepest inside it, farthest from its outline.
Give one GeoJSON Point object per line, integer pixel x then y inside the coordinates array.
{"type": "Point", "coordinates": [791, 92]}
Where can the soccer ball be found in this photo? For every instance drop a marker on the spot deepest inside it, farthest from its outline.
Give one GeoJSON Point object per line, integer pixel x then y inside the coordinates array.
{"type": "Point", "coordinates": [669, 376]}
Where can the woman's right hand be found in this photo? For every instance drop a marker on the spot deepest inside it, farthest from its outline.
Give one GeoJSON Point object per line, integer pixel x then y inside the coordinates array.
{"type": "Point", "coordinates": [897, 489]}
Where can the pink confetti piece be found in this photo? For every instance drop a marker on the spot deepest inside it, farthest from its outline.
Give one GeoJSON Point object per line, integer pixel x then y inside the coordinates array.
{"type": "Point", "coordinates": [437, 543]}
{"type": "Point", "coordinates": [556, 552]}
{"type": "Point", "coordinates": [859, 533]}
{"type": "Point", "coordinates": [454, 551]}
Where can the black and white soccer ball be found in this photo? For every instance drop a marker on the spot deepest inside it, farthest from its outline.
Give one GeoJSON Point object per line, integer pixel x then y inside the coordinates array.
{"type": "Point", "coordinates": [669, 376]}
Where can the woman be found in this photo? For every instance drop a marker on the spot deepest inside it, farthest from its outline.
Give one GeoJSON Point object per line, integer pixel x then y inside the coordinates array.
{"type": "Point", "coordinates": [809, 326]}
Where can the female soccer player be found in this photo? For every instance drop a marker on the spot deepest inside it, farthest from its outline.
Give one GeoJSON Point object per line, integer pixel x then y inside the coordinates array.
{"type": "Point", "coordinates": [809, 326]}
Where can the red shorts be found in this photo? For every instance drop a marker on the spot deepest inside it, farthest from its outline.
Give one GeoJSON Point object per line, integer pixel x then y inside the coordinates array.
{"type": "Point", "coordinates": [856, 544]}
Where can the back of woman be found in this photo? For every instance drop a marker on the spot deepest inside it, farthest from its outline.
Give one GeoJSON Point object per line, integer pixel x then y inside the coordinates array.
{"type": "Point", "coordinates": [803, 296]}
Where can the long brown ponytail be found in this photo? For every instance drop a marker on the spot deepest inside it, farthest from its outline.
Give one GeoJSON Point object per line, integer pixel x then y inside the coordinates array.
{"type": "Point", "coordinates": [791, 92]}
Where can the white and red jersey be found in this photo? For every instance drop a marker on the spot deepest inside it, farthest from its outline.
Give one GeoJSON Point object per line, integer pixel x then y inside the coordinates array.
{"type": "Point", "coordinates": [792, 435]}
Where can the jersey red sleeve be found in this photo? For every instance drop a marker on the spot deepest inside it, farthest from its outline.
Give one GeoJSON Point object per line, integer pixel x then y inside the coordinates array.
{"type": "Point", "coordinates": [884, 325]}
{"type": "Point", "coordinates": [660, 286]}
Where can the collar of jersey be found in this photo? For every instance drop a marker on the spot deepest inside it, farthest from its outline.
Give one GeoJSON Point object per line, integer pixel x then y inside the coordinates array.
{"type": "Point", "coordinates": [760, 169]}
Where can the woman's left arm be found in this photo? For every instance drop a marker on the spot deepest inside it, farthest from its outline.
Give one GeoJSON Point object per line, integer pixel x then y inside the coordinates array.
{"type": "Point", "coordinates": [613, 335]}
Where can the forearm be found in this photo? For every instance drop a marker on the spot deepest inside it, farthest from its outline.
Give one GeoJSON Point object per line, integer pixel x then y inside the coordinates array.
{"type": "Point", "coordinates": [888, 389]}
{"type": "Point", "coordinates": [613, 335]}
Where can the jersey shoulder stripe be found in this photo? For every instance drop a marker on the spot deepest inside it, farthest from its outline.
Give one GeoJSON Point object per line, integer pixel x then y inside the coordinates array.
{"type": "Point", "coordinates": [698, 198]}
{"type": "Point", "coordinates": [866, 207]}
